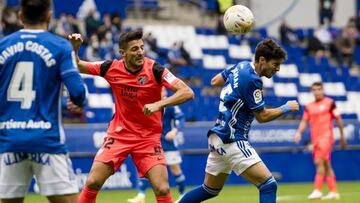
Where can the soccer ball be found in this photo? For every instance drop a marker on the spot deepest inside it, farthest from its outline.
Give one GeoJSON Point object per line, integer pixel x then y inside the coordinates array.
{"type": "Point", "coordinates": [238, 19]}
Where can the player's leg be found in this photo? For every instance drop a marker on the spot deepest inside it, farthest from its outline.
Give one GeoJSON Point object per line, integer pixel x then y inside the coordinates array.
{"type": "Point", "coordinates": [98, 174]}
{"type": "Point", "coordinates": [320, 172]}
{"type": "Point", "coordinates": [176, 171]}
{"type": "Point", "coordinates": [55, 177]}
{"type": "Point", "coordinates": [217, 171]}
{"type": "Point", "coordinates": [158, 178]}
{"type": "Point", "coordinates": [173, 160]}
{"type": "Point", "coordinates": [149, 160]}
{"type": "Point", "coordinates": [330, 177]}
{"type": "Point", "coordinates": [108, 160]}
{"type": "Point", "coordinates": [259, 175]}
{"type": "Point", "coordinates": [15, 177]}
{"type": "Point", "coordinates": [143, 184]}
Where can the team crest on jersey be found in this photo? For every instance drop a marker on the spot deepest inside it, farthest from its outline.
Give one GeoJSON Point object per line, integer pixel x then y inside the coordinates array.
{"type": "Point", "coordinates": [142, 80]}
{"type": "Point", "coordinates": [257, 96]}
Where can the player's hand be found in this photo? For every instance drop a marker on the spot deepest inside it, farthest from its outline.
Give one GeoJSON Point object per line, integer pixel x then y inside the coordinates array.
{"type": "Point", "coordinates": [171, 134]}
{"type": "Point", "coordinates": [149, 109]}
{"type": "Point", "coordinates": [76, 40]}
{"type": "Point", "coordinates": [297, 137]}
{"type": "Point", "coordinates": [343, 143]}
{"type": "Point", "coordinates": [72, 107]}
{"type": "Point", "coordinates": [294, 105]}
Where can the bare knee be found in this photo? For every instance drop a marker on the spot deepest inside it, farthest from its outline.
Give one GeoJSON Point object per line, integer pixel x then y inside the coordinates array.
{"type": "Point", "coordinates": [161, 189]}
{"type": "Point", "coordinates": [93, 183]}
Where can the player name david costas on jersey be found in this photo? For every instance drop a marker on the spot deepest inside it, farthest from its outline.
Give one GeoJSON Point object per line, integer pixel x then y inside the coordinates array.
{"type": "Point", "coordinates": [30, 124]}
{"type": "Point", "coordinates": [31, 46]}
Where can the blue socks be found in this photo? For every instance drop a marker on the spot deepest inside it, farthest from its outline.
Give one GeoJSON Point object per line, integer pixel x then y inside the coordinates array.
{"type": "Point", "coordinates": [180, 181]}
{"type": "Point", "coordinates": [268, 190]}
{"type": "Point", "coordinates": [143, 185]}
{"type": "Point", "coordinates": [199, 194]}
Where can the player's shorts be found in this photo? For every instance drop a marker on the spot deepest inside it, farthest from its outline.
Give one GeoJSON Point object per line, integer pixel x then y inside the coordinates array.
{"type": "Point", "coordinates": [224, 158]}
{"type": "Point", "coordinates": [322, 151]}
{"type": "Point", "coordinates": [53, 173]}
{"type": "Point", "coordinates": [145, 152]}
{"type": "Point", "coordinates": [173, 157]}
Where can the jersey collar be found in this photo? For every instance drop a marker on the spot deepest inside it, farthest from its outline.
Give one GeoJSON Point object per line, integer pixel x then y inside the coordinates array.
{"type": "Point", "coordinates": [32, 30]}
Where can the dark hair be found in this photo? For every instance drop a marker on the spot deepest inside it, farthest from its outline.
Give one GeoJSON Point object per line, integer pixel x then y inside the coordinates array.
{"type": "Point", "coordinates": [319, 84]}
{"type": "Point", "coordinates": [35, 11]}
{"type": "Point", "coordinates": [126, 37]}
{"type": "Point", "coordinates": [269, 49]}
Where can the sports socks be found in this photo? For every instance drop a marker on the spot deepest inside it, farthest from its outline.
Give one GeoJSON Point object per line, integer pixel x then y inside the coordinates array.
{"type": "Point", "coordinates": [318, 181]}
{"type": "Point", "coordinates": [88, 195]}
{"type": "Point", "coordinates": [180, 181]}
{"type": "Point", "coordinates": [164, 198]}
{"type": "Point", "coordinates": [199, 194]}
{"type": "Point", "coordinates": [268, 190]}
{"type": "Point", "coordinates": [331, 181]}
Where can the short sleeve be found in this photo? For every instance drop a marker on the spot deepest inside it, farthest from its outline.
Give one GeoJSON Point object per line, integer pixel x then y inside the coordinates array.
{"type": "Point", "coordinates": [333, 110]}
{"type": "Point", "coordinates": [168, 79]}
{"type": "Point", "coordinates": [226, 71]}
{"type": "Point", "coordinates": [254, 96]}
{"type": "Point", "coordinates": [99, 68]}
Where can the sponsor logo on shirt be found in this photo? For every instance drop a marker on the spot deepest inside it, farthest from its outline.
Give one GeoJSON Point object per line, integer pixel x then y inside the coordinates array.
{"type": "Point", "coordinates": [257, 96]}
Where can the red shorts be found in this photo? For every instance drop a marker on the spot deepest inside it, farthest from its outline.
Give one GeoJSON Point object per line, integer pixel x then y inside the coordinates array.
{"type": "Point", "coordinates": [322, 151]}
{"type": "Point", "coordinates": [145, 153]}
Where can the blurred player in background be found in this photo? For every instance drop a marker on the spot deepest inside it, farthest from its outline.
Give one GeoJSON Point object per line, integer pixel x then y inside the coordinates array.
{"type": "Point", "coordinates": [241, 100]}
{"type": "Point", "coordinates": [320, 115]}
{"type": "Point", "coordinates": [173, 121]}
{"type": "Point", "coordinates": [136, 82]}
{"type": "Point", "coordinates": [33, 65]}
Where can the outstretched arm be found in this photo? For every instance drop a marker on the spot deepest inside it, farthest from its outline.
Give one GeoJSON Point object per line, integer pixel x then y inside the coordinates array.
{"type": "Point", "coordinates": [76, 41]}
{"type": "Point", "coordinates": [266, 115]}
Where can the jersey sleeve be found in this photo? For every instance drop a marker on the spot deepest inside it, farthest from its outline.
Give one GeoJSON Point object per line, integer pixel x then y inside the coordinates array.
{"type": "Point", "coordinates": [333, 110]}
{"type": "Point", "coordinates": [226, 71]}
{"type": "Point", "coordinates": [253, 95]}
{"type": "Point", "coordinates": [305, 116]}
{"type": "Point", "coordinates": [100, 69]}
{"type": "Point", "coordinates": [70, 76]}
{"type": "Point", "coordinates": [164, 77]}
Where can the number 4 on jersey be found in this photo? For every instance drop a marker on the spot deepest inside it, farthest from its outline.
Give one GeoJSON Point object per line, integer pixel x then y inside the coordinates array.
{"type": "Point", "coordinates": [21, 85]}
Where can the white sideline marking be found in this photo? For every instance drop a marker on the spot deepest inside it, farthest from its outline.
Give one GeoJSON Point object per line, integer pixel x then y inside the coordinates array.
{"type": "Point", "coordinates": [289, 198]}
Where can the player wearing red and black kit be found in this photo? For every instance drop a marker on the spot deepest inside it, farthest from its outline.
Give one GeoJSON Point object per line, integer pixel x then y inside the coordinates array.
{"type": "Point", "coordinates": [320, 115]}
{"type": "Point", "coordinates": [135, 130]}
{"type": "Point", "coordinates": [131, 131]}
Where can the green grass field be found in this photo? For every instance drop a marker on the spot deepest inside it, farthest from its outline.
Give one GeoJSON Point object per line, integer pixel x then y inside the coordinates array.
{"type": "Point", "coordinates": [294, 193]}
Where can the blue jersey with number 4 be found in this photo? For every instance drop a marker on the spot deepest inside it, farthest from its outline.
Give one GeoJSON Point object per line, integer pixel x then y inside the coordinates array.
{"type": "Point", "coordinates": [240, 96]}
{"type": "Point", "coordinates": [33, 66]}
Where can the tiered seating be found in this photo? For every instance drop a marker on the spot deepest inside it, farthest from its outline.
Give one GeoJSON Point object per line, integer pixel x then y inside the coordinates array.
{"type": "Point", "coordinates": [214, 53]}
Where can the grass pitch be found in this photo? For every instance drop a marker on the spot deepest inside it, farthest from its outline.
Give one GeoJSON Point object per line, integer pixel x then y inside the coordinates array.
{"type": "Point", "coordinates": [293, 193]}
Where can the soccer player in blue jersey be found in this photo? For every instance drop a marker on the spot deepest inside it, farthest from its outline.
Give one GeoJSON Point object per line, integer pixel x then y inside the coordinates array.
{"type": "Point", "coordinates": [173, 121]}
{"type": "Point", "coordinates": [33, 66]}
{"type": "Point", "coordinates": [241, 100]}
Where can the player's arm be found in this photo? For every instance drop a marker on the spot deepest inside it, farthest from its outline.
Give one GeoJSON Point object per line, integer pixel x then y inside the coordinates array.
{"type": "Point", "coordinates": [340, 125]}
{"type": "Point", "coordinates": [182, 92]}
{"type": "Point", "coordinates": [179, 120]}
{"type": "Point", "coordinates": [71, 77]}
{"type": "Point", "coordinates": [265, 115]}
{"type": "Point", "coordinates": [76, 41]}
{"type": "Point", "coordinates": [218, 80]}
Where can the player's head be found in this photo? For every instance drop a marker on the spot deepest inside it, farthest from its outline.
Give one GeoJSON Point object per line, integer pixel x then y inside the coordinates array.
{"type": "Point", "coordinates": [35, 12]}
{"type": "Point", "coordinates": [131, 47]}
{"type": "Point", "coordinates": [318, 90]}
{"type": "Point", "coordinates": [269, 55]}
